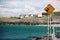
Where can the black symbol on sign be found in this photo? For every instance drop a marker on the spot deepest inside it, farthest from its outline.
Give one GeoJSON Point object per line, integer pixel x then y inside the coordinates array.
{"type": "Point", "coordinates": [47, 9]}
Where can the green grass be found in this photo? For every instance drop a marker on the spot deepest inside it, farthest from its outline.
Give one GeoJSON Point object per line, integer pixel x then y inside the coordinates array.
{"type": "Point", "coordinates": [31, 19]}
{"type": "Point", "coordinates": [5, 18]}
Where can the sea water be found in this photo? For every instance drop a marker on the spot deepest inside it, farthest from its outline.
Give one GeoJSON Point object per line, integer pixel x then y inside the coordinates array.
{"type": "Point", "coordinates": [20, 32]}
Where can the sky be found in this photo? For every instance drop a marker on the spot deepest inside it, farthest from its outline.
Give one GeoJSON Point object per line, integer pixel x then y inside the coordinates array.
{"type": "Point", "coordinates": [14, 8]}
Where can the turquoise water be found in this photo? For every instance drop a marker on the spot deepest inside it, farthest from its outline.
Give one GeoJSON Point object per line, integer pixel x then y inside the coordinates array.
{"type": "Point", "coordinates": [57, 30]}
{"type": "Point", "coordinates": [22, 31]}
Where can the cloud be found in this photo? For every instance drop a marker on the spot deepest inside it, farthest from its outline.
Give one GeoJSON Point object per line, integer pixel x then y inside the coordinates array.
{"type": "Point", "coordinates": [27, 10]}
{"type": "Point", "coordinates": [17, 7]}
{"type": "Point", "coordinates": [30, 8]}
{"type": "Point", "coordinates": [5, 12]}
{"type": "Point", "coordinates": [11, 10]}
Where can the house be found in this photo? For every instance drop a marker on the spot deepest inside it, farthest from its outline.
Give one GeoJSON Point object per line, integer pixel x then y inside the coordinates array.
{"type": "Point", "coordinates": [39, 15]}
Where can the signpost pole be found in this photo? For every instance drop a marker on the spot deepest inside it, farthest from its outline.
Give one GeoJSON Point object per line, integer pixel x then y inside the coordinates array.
{"type": "Point", "coordinates": [49, 9]}
{"type": "Point", "coordinates": [52, 29]}
{"type": "Point", "coordinates": [48, 26]}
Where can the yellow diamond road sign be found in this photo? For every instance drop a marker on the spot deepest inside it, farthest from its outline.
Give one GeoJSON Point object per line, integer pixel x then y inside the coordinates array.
{"type": "Point", "coordinates": [49, 9]}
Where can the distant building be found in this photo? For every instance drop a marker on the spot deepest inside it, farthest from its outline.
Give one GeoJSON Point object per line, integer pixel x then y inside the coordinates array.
{"type": "Point", "coordinates": [27, 16]}
{"type": "Point", "coordinates": [39, 15]}
{"type": "Point", "coordinates": [55, 17]}
{"type": "Point", "coordinates": [30, 15]}
{"type": "Point", "coordinates": [22, 16]}
{"type": "Point", "coordinates": [56, 13]}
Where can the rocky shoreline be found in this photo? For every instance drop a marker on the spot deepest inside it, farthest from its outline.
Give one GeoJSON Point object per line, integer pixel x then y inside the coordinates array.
{"type": "Point", "coordinates": [27, 23]}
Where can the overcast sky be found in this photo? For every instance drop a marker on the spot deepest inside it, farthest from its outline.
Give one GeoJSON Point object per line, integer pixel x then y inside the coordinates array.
{"type": "Point", "coordinates": [13, 8]}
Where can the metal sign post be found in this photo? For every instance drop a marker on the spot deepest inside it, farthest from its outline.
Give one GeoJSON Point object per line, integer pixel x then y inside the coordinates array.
{"type": "Point", "coordinates": [48, 27]}
{"type": "Point", "coordinates": [49, 9]}
{"type": "Point", "coordinates": [50, 24]}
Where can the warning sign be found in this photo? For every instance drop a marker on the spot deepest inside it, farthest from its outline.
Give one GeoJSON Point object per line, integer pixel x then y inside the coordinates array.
{"type": "Point", "coordinates": [49, 9]}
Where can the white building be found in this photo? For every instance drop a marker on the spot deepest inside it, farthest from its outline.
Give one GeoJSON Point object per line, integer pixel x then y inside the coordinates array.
{"type": "Point", "coordinates": [30, 15]}
{"type": "Point", "coordinates": [22, 16]}
{"type": "Point", "coordinates": [27, 16]}
{"type": "Point", "coordinates": [39, 15]}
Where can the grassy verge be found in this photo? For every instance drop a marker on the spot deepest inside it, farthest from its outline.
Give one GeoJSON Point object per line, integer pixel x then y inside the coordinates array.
{"type": "Point", "coordinates": [24, 19]}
